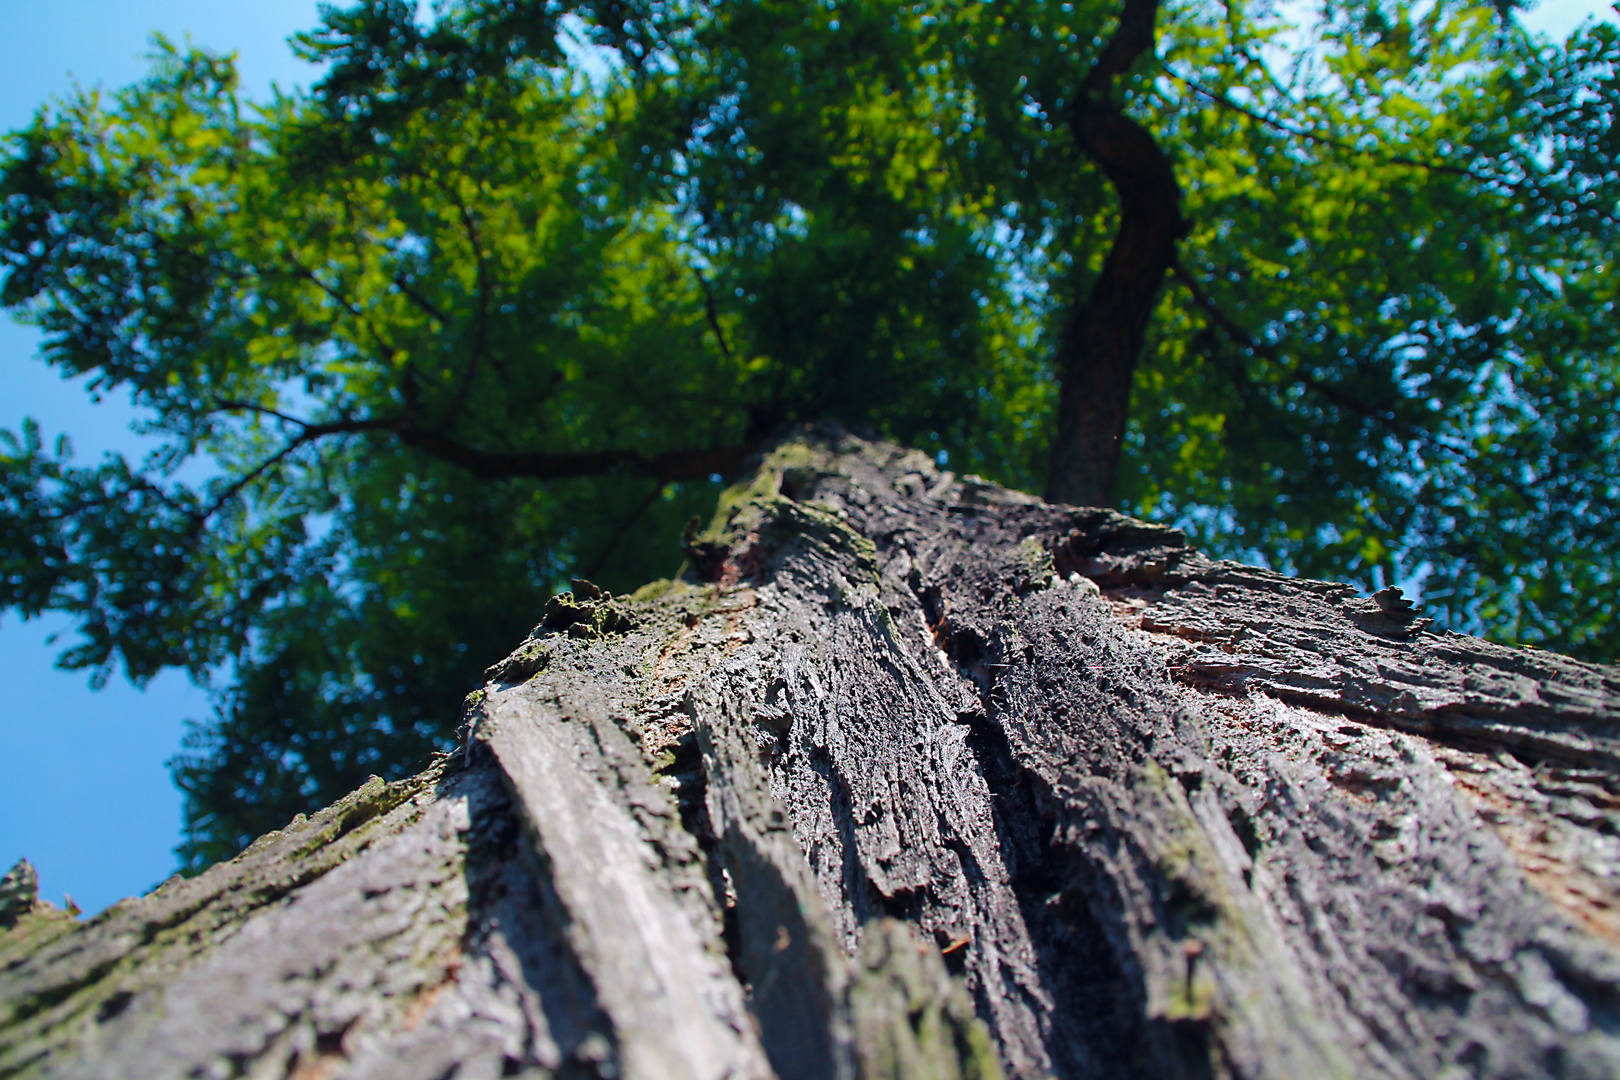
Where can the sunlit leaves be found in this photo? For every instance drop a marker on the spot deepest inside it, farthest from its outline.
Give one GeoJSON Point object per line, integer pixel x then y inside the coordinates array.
{"type": "Point", "coordinates": [1389, 351]}
{"type": "Point", "coordinates": [1394, 219]}
{"type": "Point", "coordinates": [288, 293]}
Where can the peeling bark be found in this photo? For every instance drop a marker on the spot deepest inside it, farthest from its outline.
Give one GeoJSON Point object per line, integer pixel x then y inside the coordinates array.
{"type": "Point", "coordinates": [913, 776]}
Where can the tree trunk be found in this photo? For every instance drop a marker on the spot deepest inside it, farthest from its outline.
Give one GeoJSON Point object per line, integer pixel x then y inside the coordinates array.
{"type": "Point", "coordinates": [913, 776]}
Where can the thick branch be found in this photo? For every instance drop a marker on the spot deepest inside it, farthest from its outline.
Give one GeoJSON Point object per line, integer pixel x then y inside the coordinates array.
{"type": "Point", "coordinates": [665, 466]}
{"type": "Point", "coordinates": [1132, 38]}
{"type": "Point", "coordinates": [1099, 346]}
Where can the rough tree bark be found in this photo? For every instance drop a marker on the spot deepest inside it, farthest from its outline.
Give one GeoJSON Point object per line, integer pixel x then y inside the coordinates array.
{"type": "Point", "coordinates": [911, 775]}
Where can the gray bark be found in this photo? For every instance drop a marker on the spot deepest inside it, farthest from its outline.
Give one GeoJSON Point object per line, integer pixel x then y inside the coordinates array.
{"type": "Point", "coordinates": [911, 775]}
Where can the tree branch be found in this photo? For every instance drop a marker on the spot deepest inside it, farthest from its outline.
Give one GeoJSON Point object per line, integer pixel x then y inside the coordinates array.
{"type": "Point", "coordinates": [1103, 337]}
{"type": "Point", "coordinates": [712, 315]}
{"type": "Point", "coordinates": [307, 433]}
{"type": "Point", "coordinates": [422, 303]}
{"type": "Point", "coordinates": [233, 405]}
{"type": "Point", "coordinates": [1132, 38]}
{"type": "Point", "coordinates": [1327, 140]}
{"type": "Point", "coordinates": [611, 544]}
{"type": "Point", "coordinates": [480, 319]}
{"type": "Point", "coordinates": [199, 518]}
{"type": "Point", "coordinates": [1297, 373]}
{"type": "Point", "coordinates": [666, 466]}
{"type": "Point", "coordinates": [337, 297]}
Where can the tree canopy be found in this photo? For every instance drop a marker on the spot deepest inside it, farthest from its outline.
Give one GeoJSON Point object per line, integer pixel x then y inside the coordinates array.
{"type": "Point", "coordinates": [481, 312]}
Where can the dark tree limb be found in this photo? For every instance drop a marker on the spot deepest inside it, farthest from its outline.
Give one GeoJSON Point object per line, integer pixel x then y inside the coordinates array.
{"type": "Point", "coordinates": [422, 303]}
{"type": "Point", "coordinates": [667, 466]}
{"type": "Point", "coordinates": [1389, 420]}
{"type": "Point", "coordinates": [1101, 340]}
{"type": "Point", "coordinates": [1319, 139]}
{"type": "Point", "coordinates": [199, 519]}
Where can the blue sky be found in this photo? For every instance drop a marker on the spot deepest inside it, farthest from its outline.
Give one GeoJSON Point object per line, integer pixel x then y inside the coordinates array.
{"type": "Point", "coordinates": [87, 796]}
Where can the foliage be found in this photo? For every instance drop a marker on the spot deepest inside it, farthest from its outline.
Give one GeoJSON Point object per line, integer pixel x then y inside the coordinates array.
{"type": "Point", "coordinates": [460, 323]}
{"type": "Point", "coordinates": [320, 320]}
{"type": "Point", "coordinates": [1410, 344]}
{"type": "Point", "coordinates": [1389, 351]}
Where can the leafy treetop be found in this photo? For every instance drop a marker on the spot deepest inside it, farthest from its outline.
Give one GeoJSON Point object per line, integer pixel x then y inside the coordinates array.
{"type": "Point", "coordinates": [460, 322]}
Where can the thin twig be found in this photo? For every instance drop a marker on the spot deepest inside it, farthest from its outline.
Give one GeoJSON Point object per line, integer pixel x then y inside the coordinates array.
{"type": "Point", "coordinates": [388, 348]}
{"type": "Point", "coordinates": [666, 467]}
{"type": "Point", "coordinates": [423, 304]}
{"type": "Point", "coordinates": [619, 533]}
{"type": "Point", "coordinates": [233, 405]}
{"type": "Point", "coordinates": [199, 518]}
{"type": "Point", "coordinates": [1328, 140]}
{"type": "Point", "coordinates": [713, 315]}
{"type": "Point", "coordinates": [481, 323]}
{"type": "Point", "coordinates": [1238, 334]}
{"type": "Point", "coordinates": [308, 434]}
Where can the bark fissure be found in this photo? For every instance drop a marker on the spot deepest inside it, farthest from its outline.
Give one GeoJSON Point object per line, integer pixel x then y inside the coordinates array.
{"type": "Point", "coordinates": [912, 776]}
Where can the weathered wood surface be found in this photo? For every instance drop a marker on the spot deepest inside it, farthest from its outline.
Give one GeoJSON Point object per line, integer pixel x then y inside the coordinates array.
{"type": "Point", "coordinates": [914, 776]}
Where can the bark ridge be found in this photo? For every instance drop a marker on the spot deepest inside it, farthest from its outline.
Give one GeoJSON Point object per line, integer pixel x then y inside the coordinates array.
{"type": "Point", "coordinates": [909, 775]}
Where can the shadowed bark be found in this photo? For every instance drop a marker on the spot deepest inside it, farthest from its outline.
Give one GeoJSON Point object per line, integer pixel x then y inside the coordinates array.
{"type": "Point", "coordinates": [913, 776]}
